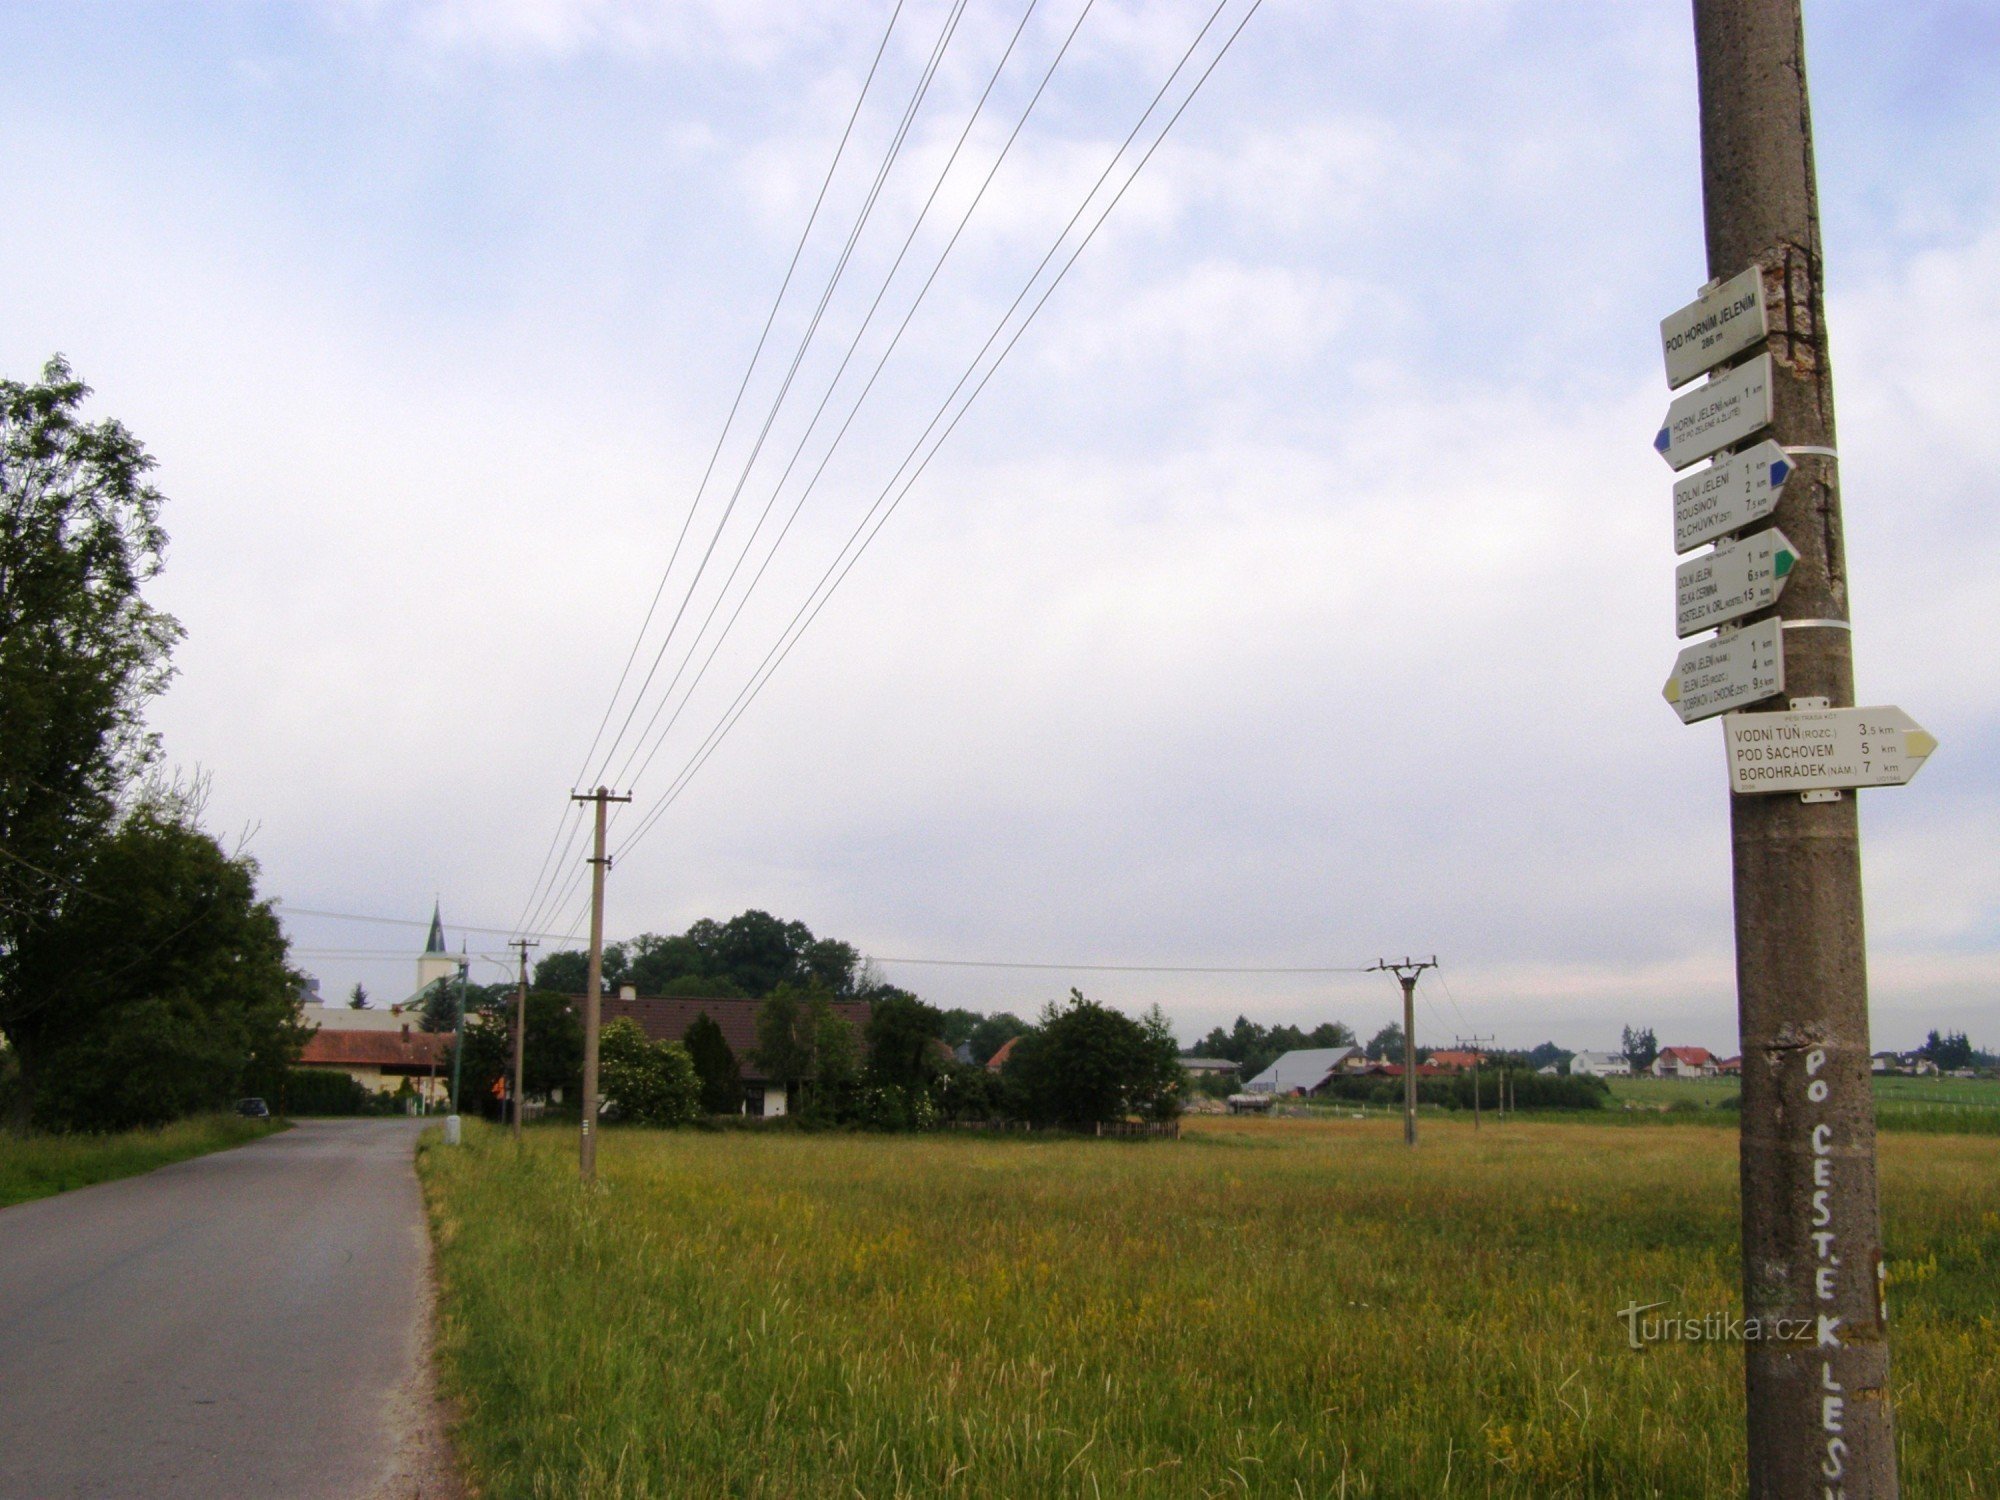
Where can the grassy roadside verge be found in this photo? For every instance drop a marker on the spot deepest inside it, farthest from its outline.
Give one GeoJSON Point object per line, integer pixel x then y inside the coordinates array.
{"type": "Point", "coordinates": [1270, 1307]}
{"type": "Point", "coordinates": [37, 1166]}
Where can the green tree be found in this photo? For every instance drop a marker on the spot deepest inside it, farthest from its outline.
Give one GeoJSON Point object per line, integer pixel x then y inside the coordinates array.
{"type": "Point", "coordinates": [1639, 1047]}
{"type": "Point", "coordinates": [715, 1066]}
{"type": "Point", "coordinates": [1087, 1064]}
{"type": "Point", "coordinates": [836, 1059]}
{"type": "Point", "coordinates": [163, 989]}
{"type": "Point", "coordinates": [1387, 1044]}
{"type": "Point", "coordinates": [648, 1083]}
{"type": "Point", "coordinates": [1952, 1050]}
{"type": "Point", "coordinates": [993, 1033]}
{"type": "Point", "coordinates": [81, 651]}
{"type": "Point", "coordinates": [903, 1033]}
{"type": "Point", "coordinates": [357, 998]}
{"type": "Point", "coordinates": [784, 1050]}
{"type": "Point", "coordinates": [552, 1054]}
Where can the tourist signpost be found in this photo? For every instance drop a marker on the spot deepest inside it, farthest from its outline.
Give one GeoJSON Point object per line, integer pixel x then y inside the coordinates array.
{"type": "Point", "coordinates": [1727, 671]}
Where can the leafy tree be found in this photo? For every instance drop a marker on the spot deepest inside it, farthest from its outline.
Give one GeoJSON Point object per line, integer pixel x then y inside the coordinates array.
{"type": "Point", "coordinates": [830, 965]}
{"type": "Point", "coordinates": [552, 1052]}
{"type": "Point", "coordinates": [1253, 1048]}
{"type": "Point", "coordinates": [357, 998]}
{"type": "Point", "coordinates": [80, 653]}
{"type": "Point", "coordinates": [650, 1083]}
{"type": "Point", "coordinates": [715, 1066]}
{"type": "Point", "coordinates": [163, 988]}
{"type": "Point", "coordinates": [1086, 1064]}
{"type": "Point", "coordinates": [836, 1060]}
{"type": "Point", "coordinates": [568, 971]}
{"type": "Point", "coordinates": [903, 1033]}
{"type": "Point", "coordinates": [784, 1048]}
{"type": "Point", "coordinates": [1548, 1052]}
{"type": "Point", "coordinates": [993, 1033]}
{"type": "Point", "coordinates": [957, 1024]}
{"type": "Point", "coordinates": [1387, 1044]}
{"type": "Point", "coordinates": [1639, 1047]}
{"type": "Point", "coordinates": [1952, 1050]}
{"type": "Point", "coordinates": [698, 987]}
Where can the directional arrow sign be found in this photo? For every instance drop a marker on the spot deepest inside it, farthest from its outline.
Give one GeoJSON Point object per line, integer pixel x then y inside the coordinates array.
{"type": "Point", "coordinates": [1723, 321]}
{"type": "Point", "coordinates": [1716, 415]}
{"type": "Point", "coordinates": [1712, 677]}
{"type": "Point", "coordinates": [1729, 494]}
{"type": "Point", "coordinates": [1737, 578]}
{"type": "Point", "coordinates": [1821, 749]}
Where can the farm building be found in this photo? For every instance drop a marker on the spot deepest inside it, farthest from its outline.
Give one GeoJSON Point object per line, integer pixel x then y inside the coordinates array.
{"type": "Point", "coordinates": [384, 1060]}
{"type": "Point", "coordinates": [1456, 1062]}
{"type": "Point", "coordinates": [1684, 1062]}
{"type": "Point", "coordinates": [1302, 1072]}
{"type": "Point", "coordinates": [1210, 1067]}
{"type": "Point", "coordinates": [668, 1019]}
{"type": "Point", "coordinates": [1601, 1065]}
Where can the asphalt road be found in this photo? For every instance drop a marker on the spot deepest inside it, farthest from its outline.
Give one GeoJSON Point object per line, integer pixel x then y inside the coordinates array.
{"type": "Point", "coordinates": [245, 1324]}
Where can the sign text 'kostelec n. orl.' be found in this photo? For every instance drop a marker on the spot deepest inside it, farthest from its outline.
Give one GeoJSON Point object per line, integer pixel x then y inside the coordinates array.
{"type": "Point", "coordinates": [1717, 414]}
{"type": "Point", "coordinates": [1714, 676]}
{"type": "Point", "coordinates": [1736, 579]}
{"type": "Point", "coordinates": [1725, 320]}
{"type": "Point", "coordinates": [1824, 749]}
{"type": "Point", "coordinates": [1732, 492]}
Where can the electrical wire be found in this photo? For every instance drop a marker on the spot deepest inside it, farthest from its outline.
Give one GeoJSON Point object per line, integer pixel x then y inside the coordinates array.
{"type": "Point", "coordinates": [833, 280]}
{"type": "Point", "coordinates": [996, 963]}
{"type": "Point", "coordinates": [798, 358]}
{"type": "Point", "coordinates": [775, 658]}
{"type": "Point", "coordinates": [721, 437]}
{"type": "Point", "coordinates": [827, 457]}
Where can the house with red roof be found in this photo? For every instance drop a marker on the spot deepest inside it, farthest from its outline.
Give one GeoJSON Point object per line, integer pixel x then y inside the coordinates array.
{"type": "Point", "coordinates": [1684, 1062]}
{"type": "Point", "coordinates": [384, 1060]}
{"type": "Point", "coordinates": [666, 1019]}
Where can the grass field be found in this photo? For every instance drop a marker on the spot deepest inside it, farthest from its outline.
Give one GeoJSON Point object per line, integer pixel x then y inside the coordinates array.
{"type": "Point", "coordinates": [34, 1166]}
{"type": "Point", "coordinates": [1901, 1104]}
{"type": "Point", "coordinates": [1267, 1307]}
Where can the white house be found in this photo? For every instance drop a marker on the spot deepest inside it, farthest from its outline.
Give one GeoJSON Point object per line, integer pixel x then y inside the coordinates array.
{"type": "Point", "coordinates": [1601, 1065]}
{"type": "Point", "coordinates": [1684, 1062]}
{"type": "Point", "coordinates": [1303, 1072]}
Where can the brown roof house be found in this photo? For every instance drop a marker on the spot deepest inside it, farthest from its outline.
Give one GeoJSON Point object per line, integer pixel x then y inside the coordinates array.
{"type": "Point", "coordinates": [384, 1060]}
{"type": "Point", "coordinates": [1684, 1062]}
{"type": "Point", "coordinates": [666, 1019]}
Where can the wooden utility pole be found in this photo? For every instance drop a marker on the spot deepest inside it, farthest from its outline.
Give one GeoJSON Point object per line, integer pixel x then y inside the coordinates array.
{"type": "Point", "coordinates": [593, 990]}
{"type": "Point", "coordinates": [1406, 974]}
{"type": "Point", "coordinates": [1820, 1423]}
{"type": "Point", "coordinates": [520, 1030]}
{"type": "Point", "coordinates": [1471, 1044]}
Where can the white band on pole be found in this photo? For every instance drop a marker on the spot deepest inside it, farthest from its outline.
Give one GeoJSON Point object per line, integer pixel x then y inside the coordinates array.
{"type": "Point", "coordinates": [1812, 453]}
{"type": "Point", "coordinates": [1816, 625]}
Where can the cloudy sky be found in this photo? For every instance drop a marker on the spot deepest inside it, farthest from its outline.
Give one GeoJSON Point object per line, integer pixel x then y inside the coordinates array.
{"type": "Point", "coordinates": [1297, 591]}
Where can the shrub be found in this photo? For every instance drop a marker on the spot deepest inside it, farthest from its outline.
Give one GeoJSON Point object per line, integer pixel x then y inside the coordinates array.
{"type": "Point", "coordinates": [646, 1082]}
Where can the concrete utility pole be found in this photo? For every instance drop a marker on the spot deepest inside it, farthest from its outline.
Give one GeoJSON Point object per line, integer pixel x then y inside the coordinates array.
{"type": "Point", "coordinates": [458, 1032]}
{"type": "Point", "coordinates": [520, 1030]}
{"type": "Point", "coordinates": [593, 990]}
{"type": "Point", "coordinates": [1406, 974]}
{"type": "Point", "coordinates": [1820, 1423]}
{"type": "Point", "coordinates": [1471, 1044]}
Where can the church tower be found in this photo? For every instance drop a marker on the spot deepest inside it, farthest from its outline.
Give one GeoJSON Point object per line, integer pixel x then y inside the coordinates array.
{"type": "Point", "coordinates": [434, 963]}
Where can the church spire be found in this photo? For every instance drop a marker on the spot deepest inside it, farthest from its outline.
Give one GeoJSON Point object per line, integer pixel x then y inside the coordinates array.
{"type": "Point", "coordinates": [435, 944]}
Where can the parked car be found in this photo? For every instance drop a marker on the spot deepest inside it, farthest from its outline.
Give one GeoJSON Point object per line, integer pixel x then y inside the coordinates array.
{"type": "Point", "coordinates": [255, 1109]}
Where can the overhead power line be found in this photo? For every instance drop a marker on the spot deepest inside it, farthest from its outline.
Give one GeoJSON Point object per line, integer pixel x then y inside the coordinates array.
{"type": "Point", "coordinates": [854, 346]}
{"type": "Point", "coordinates": [999, 963]}
{"type": "Point", "coordinates": [570, 813]}
{"type": "Point", "coordinates": [837, 571]}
